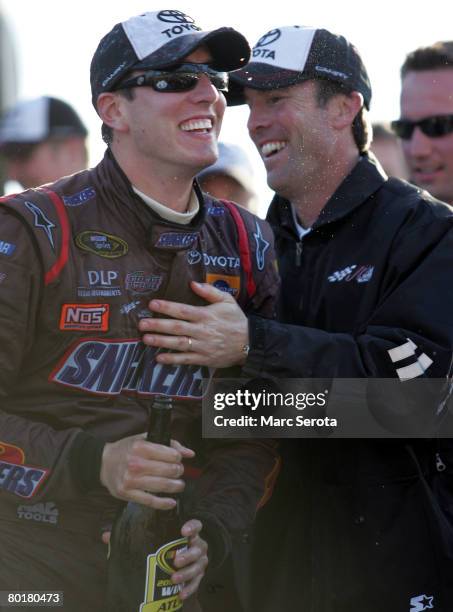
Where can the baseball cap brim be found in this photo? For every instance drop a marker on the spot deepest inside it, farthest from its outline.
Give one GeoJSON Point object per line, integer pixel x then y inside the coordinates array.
{"type": "Point", "coordinates": [230, 50]}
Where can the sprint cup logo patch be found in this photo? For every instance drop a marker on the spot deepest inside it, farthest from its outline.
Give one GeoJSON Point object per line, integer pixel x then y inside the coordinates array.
{"type": "Point", "coordinates": [110, 367]}
{"type": "Point", "coordinates": [102, 244]}
{"type": "Point", "coordinates": [84, 317]}
{"type": "Point", "coordinates": [15, 476]}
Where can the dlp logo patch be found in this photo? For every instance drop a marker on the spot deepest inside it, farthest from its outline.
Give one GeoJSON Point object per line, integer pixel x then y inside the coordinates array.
{"type": "Point", "coordinates": [84, 317]}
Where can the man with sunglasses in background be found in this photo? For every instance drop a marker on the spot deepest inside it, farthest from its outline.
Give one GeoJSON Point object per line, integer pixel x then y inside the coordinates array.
{"type": "Point", "coordinates": [426, 123]}
{"type": "Point", "coordinates": [366, 265]}
{"type": "Point", "coordinates": [79, 261]}
{"type": "Point", "coordinates": [426, 132]}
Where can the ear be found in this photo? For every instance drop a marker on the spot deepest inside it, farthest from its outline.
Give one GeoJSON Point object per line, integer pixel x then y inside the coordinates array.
{"type": "Point", "coordinates": [343, 108]}
{"type": "Point", "coordinates": [111, 109]}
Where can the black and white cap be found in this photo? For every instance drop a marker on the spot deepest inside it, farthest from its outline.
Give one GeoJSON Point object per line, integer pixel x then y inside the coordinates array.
{"type": "Point", "coordinates": [292, 54]}
{"type": "Point", "coordinates": [36, 120]}
{"type": "Point", "coordinates": [161, 39]}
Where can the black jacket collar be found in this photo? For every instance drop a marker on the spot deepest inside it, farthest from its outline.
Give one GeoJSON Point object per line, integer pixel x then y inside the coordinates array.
{"type": "Point", "coordinates": [365, 178]}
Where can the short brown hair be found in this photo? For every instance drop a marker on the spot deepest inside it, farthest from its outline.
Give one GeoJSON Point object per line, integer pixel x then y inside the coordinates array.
{"type": "Point", "coordinates": [361, 127]}
{"type": "Point", "coordinates": [436, 56]}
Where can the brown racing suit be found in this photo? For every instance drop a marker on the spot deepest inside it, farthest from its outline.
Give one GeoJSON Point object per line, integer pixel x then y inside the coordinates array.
{"type": "Point", "coordinates": [79, 262]}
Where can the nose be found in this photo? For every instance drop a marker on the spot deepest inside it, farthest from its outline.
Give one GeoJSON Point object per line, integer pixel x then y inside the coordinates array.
{"type": "Point", "coordinates": [258, 119]}
{"type": "Point", "coordinates": [204, 91]}
{"type": "Point", "coordinates": [419, 145]}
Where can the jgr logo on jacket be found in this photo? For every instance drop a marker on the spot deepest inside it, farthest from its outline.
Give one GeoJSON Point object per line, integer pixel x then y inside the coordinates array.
{"type": "Point", "coordinates": [111, 367]}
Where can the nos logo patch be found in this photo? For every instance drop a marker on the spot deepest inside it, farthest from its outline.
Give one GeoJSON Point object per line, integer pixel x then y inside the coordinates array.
{"type": "Point", "coordinates": [84, 317]}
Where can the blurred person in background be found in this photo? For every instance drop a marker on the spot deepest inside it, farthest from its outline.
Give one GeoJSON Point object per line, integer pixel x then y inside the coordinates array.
{"type": "Point", "coordinates": [425, 125]}
{"type": "Point", "coordinates": [387, 148]}
{"type": "Point", "coordinates": [231, 177]}
{"type": "Point", "coordinates": [42, 140]}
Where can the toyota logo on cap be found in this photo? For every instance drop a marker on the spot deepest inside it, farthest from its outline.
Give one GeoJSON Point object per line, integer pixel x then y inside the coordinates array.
{"type": "Point", "coordinates": [268, 38]}
{"type": "Point", "coordinates": [174, 17]}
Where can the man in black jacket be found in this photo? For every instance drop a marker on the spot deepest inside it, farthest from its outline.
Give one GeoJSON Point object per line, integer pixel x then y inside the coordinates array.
{"type": "Point", "coordinates": [366, 293]}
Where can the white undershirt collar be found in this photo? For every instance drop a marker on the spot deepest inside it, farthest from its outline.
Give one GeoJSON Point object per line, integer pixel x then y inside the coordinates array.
{"type": "Point", "coordinates": [167, 213]}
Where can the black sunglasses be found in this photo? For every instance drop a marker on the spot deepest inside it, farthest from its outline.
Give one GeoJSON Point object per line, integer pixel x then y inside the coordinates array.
{"type": "Point", "coordinates": [182, 78]}
{"type": "Point", "coordinates": [434, 127]}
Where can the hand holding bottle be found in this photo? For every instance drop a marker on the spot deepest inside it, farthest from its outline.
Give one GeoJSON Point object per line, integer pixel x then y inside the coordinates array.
{"type": "Point", "coordinates": [134, 469]}
{"type": "Point", "coordinates": [190, 565]}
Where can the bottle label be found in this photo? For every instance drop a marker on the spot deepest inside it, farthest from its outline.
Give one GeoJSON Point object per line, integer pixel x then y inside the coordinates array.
{"type": "Point", "coordinates": [161, 595]}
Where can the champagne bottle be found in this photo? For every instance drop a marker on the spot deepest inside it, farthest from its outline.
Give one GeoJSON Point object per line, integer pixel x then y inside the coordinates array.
{"type": "Point", "coordinates": [144, 542]}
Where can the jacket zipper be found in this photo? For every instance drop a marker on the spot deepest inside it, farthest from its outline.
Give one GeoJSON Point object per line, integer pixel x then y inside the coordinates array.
{"type": "Point", "coordinates": [440, 465]}
{"type": "Point", "coordinates": [298, 253]}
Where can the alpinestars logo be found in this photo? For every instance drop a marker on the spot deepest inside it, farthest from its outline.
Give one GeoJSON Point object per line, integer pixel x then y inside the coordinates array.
{"type": "Point", "coordinates": [110, 367]}
{"type": "Point", "coordinates": [261, 247]}
{"type": "Point", "coordinates": [421, 602]}
{"type": "Point", "coordinates": [41, 221]}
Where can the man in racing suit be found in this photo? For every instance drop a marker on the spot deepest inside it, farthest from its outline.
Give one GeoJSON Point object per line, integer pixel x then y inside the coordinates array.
{"type": "Point", "coordinates": [79, 261]}
{"type": "Point", "coordinates": [366, 267]}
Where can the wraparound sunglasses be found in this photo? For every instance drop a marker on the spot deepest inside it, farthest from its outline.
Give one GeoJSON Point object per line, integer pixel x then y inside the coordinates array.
{"type": "Point", "coordinates": [434, 126]}
{"type": "Point", "coordinates": [183, 78]}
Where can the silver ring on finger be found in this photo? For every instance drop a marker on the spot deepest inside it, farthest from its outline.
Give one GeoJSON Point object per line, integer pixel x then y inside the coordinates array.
{"type": "Point", "coordinates": [189, 340]}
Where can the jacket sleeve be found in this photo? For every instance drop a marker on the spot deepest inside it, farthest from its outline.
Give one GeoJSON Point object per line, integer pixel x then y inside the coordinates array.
{"type": "Point", "coordinates": [33, 455]}
{"type": "Point", "coordinates": [408, 336]}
